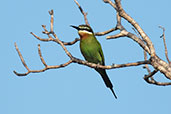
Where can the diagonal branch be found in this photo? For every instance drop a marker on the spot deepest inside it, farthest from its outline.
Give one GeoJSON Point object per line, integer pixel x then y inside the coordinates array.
{"type": "Point", "coordinates": [130, 35]}
{"type": "Point", "coordinates": [82, 11]}
{"type": "Point", "coordinates": [144, 41]}
{"type": "Point", "coordinates": [21, 57]}
{"type": "Point", "coordinates": [105, 32]}
{"type": "Point", "coordinates": [117, 6]}
{"type": "Point", "coordinates": [165, 46]}
{"type": "Point", "coordinates": [41, 57]}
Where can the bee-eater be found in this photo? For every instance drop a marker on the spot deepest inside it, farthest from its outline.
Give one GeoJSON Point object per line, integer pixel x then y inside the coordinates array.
{"type": "Point", "coordinates": [92, 52]}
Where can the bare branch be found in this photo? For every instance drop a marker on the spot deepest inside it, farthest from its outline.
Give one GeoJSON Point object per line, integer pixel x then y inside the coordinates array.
{"type": "Point", "coordinates": [105, 32]}
{"type": "Point", "coordinates": [51, 20]}
{"type": "Point", "coordinates": [124, 33]}
{"type": "Point", "coordinates": [146, 77]}
{"type": "Point", "coordinates": [143, 41]}
{"type": "Point", "coordinates": [21, 57]}
{"type": "Point", "coordinates": [71, 43]}
{"type": "Point", "coordinates": [116, 36]}
{"type": "Point", "coordinates": [111, 3]}
{"type": "Point", "coordinates": [157, 63]}
{"type": "Point", "coordinates": [44, 69]}
{"type": "Point", "coordinates": [21, 74]}
{"type": "Point", "coordinates": [149, 79]}
{"type": "Point", "coordinates": [123, 14]}
{"type": "Point", "coordinates": [41, 58]}
{"type": "Point", "coordinates": [146, 65]}
{"type": "Point", "coordinates": [165, 46]}
{"type": "Point", "coordinates": [42, 39]}
{"type": "Point", "coordinates": [54, 40]}
{"type": "Point", "coordinates": [82, 11]}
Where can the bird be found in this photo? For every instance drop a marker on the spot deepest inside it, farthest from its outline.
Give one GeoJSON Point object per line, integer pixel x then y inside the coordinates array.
{"type": "Point", "coordinates": [92, 52]}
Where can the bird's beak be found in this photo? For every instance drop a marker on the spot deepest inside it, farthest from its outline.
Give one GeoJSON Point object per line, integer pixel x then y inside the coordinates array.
{"type": "Point", "coordinates": [75, 27]}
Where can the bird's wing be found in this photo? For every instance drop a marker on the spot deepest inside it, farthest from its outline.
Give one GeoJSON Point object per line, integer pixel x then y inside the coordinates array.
{"type": "Point", "coordinates": [101, 54]}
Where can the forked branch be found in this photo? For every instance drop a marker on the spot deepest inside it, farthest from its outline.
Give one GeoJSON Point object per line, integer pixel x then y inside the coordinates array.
{"type": "Point", "coordinates": [145, 43]}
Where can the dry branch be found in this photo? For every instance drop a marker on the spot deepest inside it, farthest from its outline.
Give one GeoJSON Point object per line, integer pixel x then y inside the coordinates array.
{"type": "Point", "coordinates": [146, 44]}
{"type": "Point", "coordinates": [105, 32]}
{"type": "Point", "coordinates": [165, 46]}
{"type": "Point", "coordinates": [72, 59]}
{"type": "Point", "coordinates": [143, 41]}
{"type": "Point", "coordinates": [84, 14]}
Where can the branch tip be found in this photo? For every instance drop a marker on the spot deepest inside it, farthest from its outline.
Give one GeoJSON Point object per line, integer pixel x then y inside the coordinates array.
{"type": "Point", "coordinates": [43, 26]}
{"type": "Point", "coordinates": [106, 1]}
{"type": "Point", "coordinates": [51, 12]}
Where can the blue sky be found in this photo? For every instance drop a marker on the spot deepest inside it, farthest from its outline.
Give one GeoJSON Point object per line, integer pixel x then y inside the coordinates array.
{"type": "Point", "coordinates": [78, 89]}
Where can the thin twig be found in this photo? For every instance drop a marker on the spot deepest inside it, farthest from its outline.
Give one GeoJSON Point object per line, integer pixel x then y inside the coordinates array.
{"type": "Point", "coordinates": [21, 57]}
{"type": "Point", "coordinates": [72, 42]}
{"type": "Point", "coordinates": [41, 58]}
{"type": "Point", "coordinates": [111, 3]}
{"type": "Point", "coordinates": [82, 11]}
{"type": "Point", "coordinates": [51, 20]}
{"type": "Point", "coordinates": [165, 46]}
{"type": "Point", "coordinates": [105, 32]}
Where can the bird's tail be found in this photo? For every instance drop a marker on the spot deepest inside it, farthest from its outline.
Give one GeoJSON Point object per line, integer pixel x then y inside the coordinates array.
{"type": "Point", "coordinates": [106, 80]}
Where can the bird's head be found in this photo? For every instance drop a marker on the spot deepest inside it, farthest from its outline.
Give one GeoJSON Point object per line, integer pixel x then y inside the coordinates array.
{"type": "Point", "coordinates": [83, 30]}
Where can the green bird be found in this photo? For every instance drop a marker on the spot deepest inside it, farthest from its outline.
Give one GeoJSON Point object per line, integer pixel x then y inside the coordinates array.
{"type": "Point", "coordinates": [92, 52]}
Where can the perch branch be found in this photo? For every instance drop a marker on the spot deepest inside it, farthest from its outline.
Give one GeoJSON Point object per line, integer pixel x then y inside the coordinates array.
{"type": "Point", "coordinates": [113, 66]}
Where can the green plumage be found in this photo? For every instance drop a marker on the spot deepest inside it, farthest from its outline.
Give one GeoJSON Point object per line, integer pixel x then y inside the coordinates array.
{"type": "Point", "coordinates": [92, 52]}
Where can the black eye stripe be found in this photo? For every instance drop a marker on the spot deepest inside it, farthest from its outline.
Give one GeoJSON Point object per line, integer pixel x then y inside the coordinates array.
{"type": "Point", "coordinates": [86, 28]}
